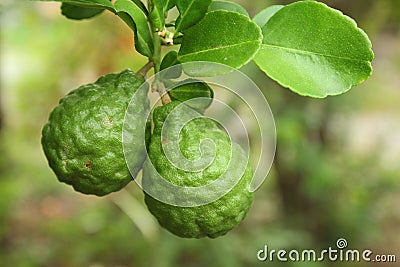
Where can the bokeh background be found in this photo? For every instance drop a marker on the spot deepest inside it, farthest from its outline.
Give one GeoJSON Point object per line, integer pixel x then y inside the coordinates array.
{"type": "Point", "coordinates": [336, 172]}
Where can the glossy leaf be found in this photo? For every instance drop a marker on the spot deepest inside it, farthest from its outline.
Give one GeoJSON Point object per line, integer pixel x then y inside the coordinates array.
{"type": "Point", "coordinates": [169, 4]}
{"type": "Point", "coordinates": [156, 14]}
{"type": "Point", "coordinates": [141, 6]}
{"type": "Point", "coordinates": [314, 50]}
{"type": "Point", "coordinates": [78, 12]}
{"type": "Point", "coordinates": [190, 12]}
{"type": "Point", "coordinates": [86, 3]}
{"type": "Point", "coordinates": [262, 18]}
{"type": "Point", "coordinates": [224, 37]}
{"type": "Point", "coordinates": [229, 6]}
{"type": "Point", "coordinates": [169, 60]}
{"type": "Point", "coordinates": [192, 89]}
{"type": "Point", "coordinates": [136, 19]}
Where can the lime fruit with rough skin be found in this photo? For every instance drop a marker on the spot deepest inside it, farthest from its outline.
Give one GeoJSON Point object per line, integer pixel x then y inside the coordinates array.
{"type": "Point", "coordinates": [216, 217]}
{"type": "Point", "coordinates": [83, 137]}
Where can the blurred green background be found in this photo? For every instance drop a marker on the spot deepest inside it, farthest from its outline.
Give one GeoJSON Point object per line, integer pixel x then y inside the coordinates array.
{"type": "Point", "coordinates": [336, 172]}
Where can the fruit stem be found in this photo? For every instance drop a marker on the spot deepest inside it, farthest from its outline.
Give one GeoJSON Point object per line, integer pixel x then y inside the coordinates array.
{"type": "Point", "coordinates": [165, 99]}
{"type": "Point", "coordinates": [158, 85]}
{"type": "Point", "coordinates": [143, 71]}
{"type": "Point", "coordinates": [157, 52]}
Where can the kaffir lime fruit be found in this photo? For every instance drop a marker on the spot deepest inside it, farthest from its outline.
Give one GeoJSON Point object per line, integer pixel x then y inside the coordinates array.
{"type": "Point", "coordinates": [83, 137]}
{"type": "Point", "coordinates": [212, 219]}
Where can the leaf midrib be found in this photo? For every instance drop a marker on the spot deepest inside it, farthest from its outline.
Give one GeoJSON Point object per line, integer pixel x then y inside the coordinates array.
{"type": "Point", "coordinates": [218, 48]}
{"type": "Point", "coordinates": [184, 15]}
{"type": "Point", "coordinates": [305, 52]}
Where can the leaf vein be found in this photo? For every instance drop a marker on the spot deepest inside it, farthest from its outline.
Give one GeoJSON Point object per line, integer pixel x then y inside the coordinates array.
{"type": "Point", "coordinates": [218, 48]}
{"type": "Point", "coordinates": [305, 52]}
{"type": "Point", "coordinates": [183, 16]}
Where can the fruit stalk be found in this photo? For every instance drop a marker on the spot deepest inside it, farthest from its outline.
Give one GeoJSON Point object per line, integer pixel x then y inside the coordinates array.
{"type": "Point", "coordinates": [158, 85]}
{"type": "Point", "coordinates": [143, 71]}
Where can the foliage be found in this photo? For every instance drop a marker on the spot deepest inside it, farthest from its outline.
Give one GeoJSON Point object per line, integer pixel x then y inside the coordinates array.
{"type": "Point", "coordinates": [306, 46]}
{"type": "Point", "coordinates": [325, 51]}
{"type": "Point", "coordinates": [354, 194]}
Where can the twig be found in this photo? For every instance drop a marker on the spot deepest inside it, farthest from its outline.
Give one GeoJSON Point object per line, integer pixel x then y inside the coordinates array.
{"type": "Point", "coordinates": [158, 86]}
{"type": "Point", "coordinates": [165, 98]}
{"type": "Point", "coordinates": [143, 71]}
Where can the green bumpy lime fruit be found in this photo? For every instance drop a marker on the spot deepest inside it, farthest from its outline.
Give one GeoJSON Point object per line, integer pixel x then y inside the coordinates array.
{"type": "Point", "coordinates": [211, 219]}
{"type": "Point", "coordinates": [83, 137]}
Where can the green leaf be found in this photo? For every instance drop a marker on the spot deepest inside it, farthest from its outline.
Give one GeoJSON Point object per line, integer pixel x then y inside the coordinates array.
{"type": "Point", "coordinates": [141, 6]}
{"type": "Point", "coordinates": [229, 6]}
{"type": "Point", "coordinates": [190, 12]}
{"type": "Point", "coordinates": [159, 12]}
{"type": "Point", "coordinates": [156, 14]}
{"type": "Point", "coordinates": [169, 60]}
{"type": "Point", "coordinates": [133, 13]}
{"type": "Point", "coordinates": [191, 89]}
{"type": "Point", "coordinates": [136, 19]}
{"type": "Point", "coordinates": [169, 4]}
{"type": "Point", "coordinates": [87, 3]}
{"type": "Point", "coordinates": [78, 12]}
{"type": "Point", "coordinates": [224, 37]}
{"type": "Point", "coordinates": [262, 18]}
{"type": "Point", "coordinates": [314, 50]}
